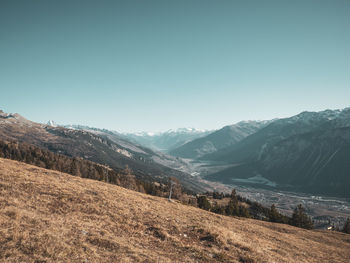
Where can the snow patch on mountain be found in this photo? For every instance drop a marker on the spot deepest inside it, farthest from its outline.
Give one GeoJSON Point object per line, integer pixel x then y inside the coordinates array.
{"type": "Point", "coordinates": [168, 132]}
{"type": "Point", "coordinates": [52, 123]}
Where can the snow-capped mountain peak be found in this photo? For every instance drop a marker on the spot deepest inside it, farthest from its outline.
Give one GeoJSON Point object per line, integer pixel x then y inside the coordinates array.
{"type": "Point", "coordinates": [167, 140]}
{"type": "Point", "coordinates": [185, 130]}
{"type": "Point", "coordinates": [170, 131]}
{"type": "Point", "coordinates": [52, 123]}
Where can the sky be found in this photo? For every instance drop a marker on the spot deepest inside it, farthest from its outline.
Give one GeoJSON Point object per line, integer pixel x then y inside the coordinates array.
{"type": "Point", "coordinates": [159, 65]}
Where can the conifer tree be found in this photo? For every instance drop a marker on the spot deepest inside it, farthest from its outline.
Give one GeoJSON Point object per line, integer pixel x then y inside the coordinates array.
{"type": "Point", "coordinates": [243, 211]}
{"type": "Point", "coordinates": [346, 228]}
{"type": "Point", "coordinates": [300, 218]}
{"type": "Point", "coordinates": [274, 216]}
{"type": "Point", "coordinates": [234, 195]}
{"type": "Point", "coordinates": [218, 209]}
{"type": "Point", "coordinates": [203, 202]}
{"type": "Point", "coordinates": [232, 208]}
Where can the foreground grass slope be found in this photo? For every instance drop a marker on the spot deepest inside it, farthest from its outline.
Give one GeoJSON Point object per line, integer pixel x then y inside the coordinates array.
{"type": "Point", "coordinates": [48, 216]}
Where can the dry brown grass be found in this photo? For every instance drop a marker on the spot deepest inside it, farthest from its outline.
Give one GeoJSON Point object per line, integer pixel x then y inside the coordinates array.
{"type": "Point", "coordinates": [47, 216]}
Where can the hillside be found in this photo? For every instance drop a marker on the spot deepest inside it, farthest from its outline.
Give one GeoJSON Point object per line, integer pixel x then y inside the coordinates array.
{"type": "Point", "coordinates": [50, 216]}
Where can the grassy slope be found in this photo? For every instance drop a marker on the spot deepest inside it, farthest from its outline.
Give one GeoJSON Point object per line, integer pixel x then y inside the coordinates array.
{"type": "Point", "coordinates": [50, 216]}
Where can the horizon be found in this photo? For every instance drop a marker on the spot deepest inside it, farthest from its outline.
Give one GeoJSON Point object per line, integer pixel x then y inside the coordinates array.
{"type": "Point", "coordinates": [135, 66]}
{"type": "Point", "coordinates": [155, 132]}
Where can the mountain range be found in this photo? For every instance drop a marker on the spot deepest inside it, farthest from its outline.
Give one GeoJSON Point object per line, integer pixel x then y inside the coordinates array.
{"type": "Point", "coordinates": [308, 152]}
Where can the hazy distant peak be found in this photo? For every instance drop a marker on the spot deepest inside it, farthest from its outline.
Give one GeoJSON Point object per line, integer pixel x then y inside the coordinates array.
{"type": "Point", "coordinates": [142, 133]}
{"type": "Point", "coordinates": [52, 123]}
{"type": "Point", "coordinates": [170, 131]}
{"type": "Point", "coordinates": [185, 130]}
{"type": "Point", "coordinates": [252, 122]}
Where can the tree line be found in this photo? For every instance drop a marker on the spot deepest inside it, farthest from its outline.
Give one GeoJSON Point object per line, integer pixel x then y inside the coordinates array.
{"type": "Point", "coordinates": [34, 155]}
{"type": "Point", "coordinates": [242, 207]}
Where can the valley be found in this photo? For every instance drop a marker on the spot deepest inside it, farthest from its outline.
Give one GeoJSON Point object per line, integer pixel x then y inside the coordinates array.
{"type": "Point", "coordinates": [254, 159]}
{"type": "Point", "coordinates": [325, 210]}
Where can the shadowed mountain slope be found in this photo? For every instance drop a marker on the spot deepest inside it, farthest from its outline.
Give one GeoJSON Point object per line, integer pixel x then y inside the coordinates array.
{"type": "Point", "coordinates": [252, 146]}
{"type": "Point", "coordinates": [308, 152]}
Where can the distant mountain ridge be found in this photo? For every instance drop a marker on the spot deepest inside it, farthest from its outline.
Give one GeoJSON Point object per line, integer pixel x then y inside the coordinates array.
{"type": "Point", "coordinates": [225, 137]}
{"type": "Point", "coordinates": [168, 140]}
{"type": "Point", "coordinates": [252, 146]}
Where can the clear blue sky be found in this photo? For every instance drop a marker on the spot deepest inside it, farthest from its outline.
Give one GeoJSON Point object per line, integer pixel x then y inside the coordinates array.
{"type": "Point", "coordinates": [155, 65]}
